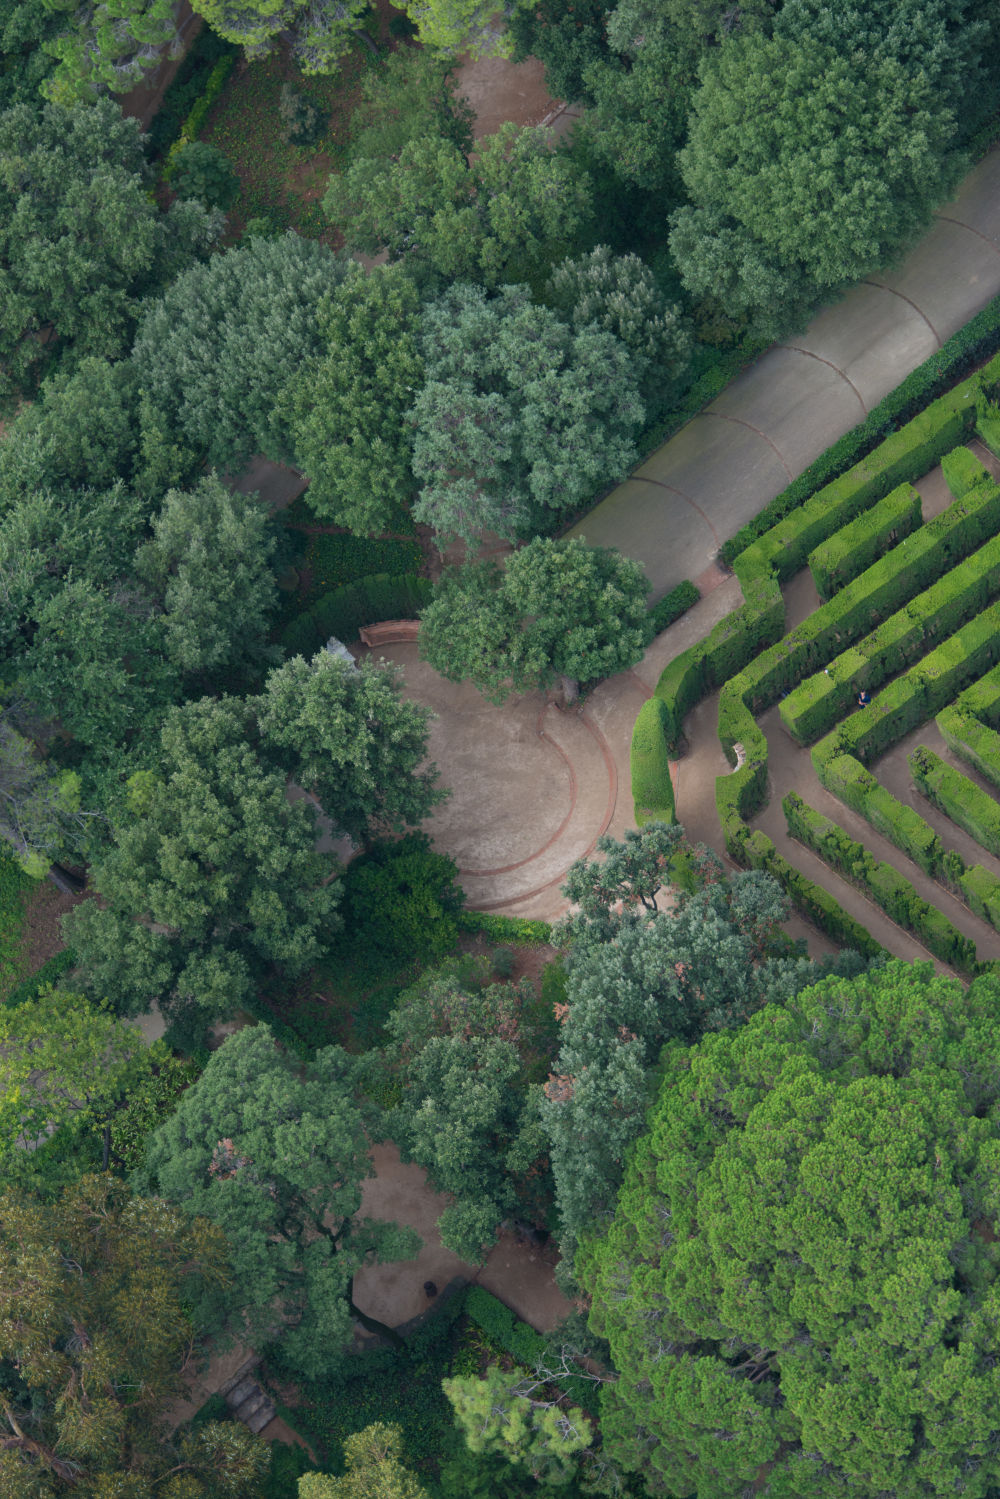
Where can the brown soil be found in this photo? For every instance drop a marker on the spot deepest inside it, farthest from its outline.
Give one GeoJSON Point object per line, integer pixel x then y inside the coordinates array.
{"type": "Point", "coordinates": [144, 100]}
{"type": "Point", "coordinates": [42, 937]}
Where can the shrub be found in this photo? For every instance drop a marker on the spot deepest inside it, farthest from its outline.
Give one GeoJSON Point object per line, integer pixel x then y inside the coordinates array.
{"type": "Point", "coordinates": [962, 471]}
{"type": "Point", "coordinates": [188, 83]}
{"type": "Point", "coordinates": [503, 961]}
{"type": "Point", "coordinates": [401, 899]}
{"type": "Point", "coordinates": [957, 797]}
{"type": "Point", "coordinates": [672, 605]}
{"type": "Point", "coordinates": [201, 171]}
{"type": "Point", "coordinates": [343, 611]}
{"type": "Point", "coordinates": [857, 545]}
{"type": "Point", "coordinates": [517, 929]}
{"type": "Point", "coordinates": [817, 904]}
{"type": "Point", "coordinates": [652, 788]}
{"type": "Point", "coordinates": [304, 123]}
{"type": "Point", "coordinates": [336, 560]}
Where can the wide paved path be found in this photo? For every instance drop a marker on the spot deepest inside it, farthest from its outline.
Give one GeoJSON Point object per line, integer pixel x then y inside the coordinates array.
{"type": "Point", "coordinates": [695, 491]}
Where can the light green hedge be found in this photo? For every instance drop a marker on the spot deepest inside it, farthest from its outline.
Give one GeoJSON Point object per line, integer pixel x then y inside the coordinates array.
{"type": "Point", "coordinates": [861, 542]}
{"type": "Point", "coordinates": [962, 471]}
{"type": "Point", "coordinates": [815, 903]}
{"type": "Point", "coordinates": [957, 797]}
{"type": "Point", "coordinates": [652, 789]}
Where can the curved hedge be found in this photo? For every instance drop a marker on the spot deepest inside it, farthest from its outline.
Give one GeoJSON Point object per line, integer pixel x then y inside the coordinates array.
{"type": "Point", "coordinates": [343, 611]}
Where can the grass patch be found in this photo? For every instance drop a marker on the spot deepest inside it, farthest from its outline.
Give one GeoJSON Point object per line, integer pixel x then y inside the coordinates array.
{"type": "Point", "coordinates": [279, 182]}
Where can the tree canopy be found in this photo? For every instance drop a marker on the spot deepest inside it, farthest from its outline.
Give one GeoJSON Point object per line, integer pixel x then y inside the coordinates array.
{"type": "Point", "coordinates": [274, 1153]}
{"type": "Point", "coordinates": [520, 414]}
{"type": "Point", "coordinates": [799, 1287]}
{"type": "Point", "coordinates": [558, 608]}
{"type": "Point", "coordinates": [80, 237]}
{"type": "Point", "coordinates": [108, 44]}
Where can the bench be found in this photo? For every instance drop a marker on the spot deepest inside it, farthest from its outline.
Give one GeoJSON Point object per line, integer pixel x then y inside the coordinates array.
{"type": "Point", "coordinates": [390, 631]}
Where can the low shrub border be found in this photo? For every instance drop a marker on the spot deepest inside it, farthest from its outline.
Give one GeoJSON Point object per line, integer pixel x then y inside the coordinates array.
{"type": "Point", "coordinates": [649, 759]}
{"type": "Point", "coordinates": [190, 85]}
{"type": "Point", "coordinates": [977, 340]}
{"type": "Point", "coordinates": [672, 605]}
{"type": "Point", "coordinates": [505, 929]}
{"type": "Point", "coordinates": [889, 889]}
{"type": "Point", "coordinates": [815, 903]}
{"type": "Point", "coordinates": [343, 611]}
{"type": "Point", "coordinates": [968, 726]}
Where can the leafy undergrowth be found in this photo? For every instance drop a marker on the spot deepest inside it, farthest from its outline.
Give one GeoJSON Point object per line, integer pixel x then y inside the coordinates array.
{"type": "Point", "coordinates": [15, 887]}
{"type": "Point", "coordinates": [283, 183]}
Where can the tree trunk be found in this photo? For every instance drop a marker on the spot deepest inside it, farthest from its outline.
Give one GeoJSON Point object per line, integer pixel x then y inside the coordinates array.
{"type": "Point", "coordinates": [570, 689]}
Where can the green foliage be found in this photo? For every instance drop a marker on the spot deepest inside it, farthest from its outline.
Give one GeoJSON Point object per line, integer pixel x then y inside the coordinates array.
{"type": "Point", "coordinates": [962, 471]}
{"type": "Point", "coordinates": [40, 816]}
{"type": "Point", "coordinates": [836, 1147]}
{"type": "Point", "coordinates": [672, 605]}
{"type": "Point", "coordinates": [15, 884]}
{"type": "Point", "coordinates": [790, 204]}
{"type": "Point", "coordinates": [520, 415]}
{"type": "Point", "coordinates": [110, 44]}
{"type": "Point", "coordinates": [25, 28]}
{"type": "Point", "coordinates": [201, 171]}
{"type": "Point", "coordinates": [516, 929]}
{"type": "Point", "coordinates": [880, 882]}
{"type": "Point", "coordinates": [861, 542]}
{"type": "Point", "coordinates": [208, 562]}
{"type": "Point", "coordinates": [187, 87]}
{"type": "Point", "coordinates": [815, 903]}
{"type": "Point", "coordinates": [974, 341]}
{"type": "Point", "coordinates": [43, 978]}
{"type": "Point", "coordinates": [332, 561]}
{"type": "Point", "coordinates": [303, 121]}
{"type": "Point", "coordinates": [559, 608]}
{"type": "Point", "coordinates": [957, 797]}
{"type": "Point", "coordinates": [348, 405]}
{"type": "Point", "coordinates": [652, 788]}
{"type": "Point", "coordinates": [150, 1100]}
{"type": "Point", "coordinates": [343, 611]}
{"type": "Point", "coordinates": [400, 898]}
{"type": "Point", "coordinates": [214, 352]}
{"type": "Point", "coordinates": [96, 1291]}
{"type": "Point", "coordinates": [317, 40]}
{"type": "Point", "coordinates": [80, 237]}
{"type": "Point", "coordinates": [508, 215]}
{"type": "Point", "coordinates": [411, 94]}
{"type": "Point", "coordinates": [540, 1436]}
{"type": "Point", "coordinates": [274, 1153]}
{"type": "Point", "coordinates": [213, 878]}
{"type": "Point", "coordinates": [348, 736]}
{"type": "Point", "coordinates": [374, 1467]}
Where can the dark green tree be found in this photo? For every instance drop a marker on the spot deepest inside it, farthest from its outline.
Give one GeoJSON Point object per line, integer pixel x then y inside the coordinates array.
{"type": "Point", "coordinates": [108, 44]}
{"type": "Point", "coordinates": [211, 882]}
{"type": "Point", "coordinates": [317, 36]}
{"type": "Point", "coordinates": [348, 404]}
{"type": "Point", "coordinates": [508, 214]}
{"type": "Point", "coordinates": [80, 236]}
{"type": "Point", "coordinates": [790, 203]}
{"type": "Point", "coordinates": [274, 1153]}
{"type": "Point", "coordinates": [201, 171]}
{"type": "Point", "coordinates": [558, 609]}
{"type": "Point", "coordinates": [520, 415]}
{"type": "Point", "coordinates": [375, 1469]}
{"type": "Point", "coordinates": [799, 1286]}
{"type": "Point", "coordinates": [350, 739]}
{"type": "Point", "coordinates": [215, 351]}
{"type": "Point", "coordinates": [208, 563]}
{"type": "Point", "coordinates": [40, 813]}
{"type": "Point", "coordinates": [411, 95]}
{"type": "Point", "coordinates": [25, 27]}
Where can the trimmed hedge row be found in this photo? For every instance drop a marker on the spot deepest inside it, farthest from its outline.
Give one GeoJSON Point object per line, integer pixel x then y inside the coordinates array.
{"type": "Point", "coordinates": [861, 542]}
{"type": "Point", "coordinates": [506, 929]}
{"type": "Point", "coordinates": [849, 781]}
{"type": "Point", "coordinates": [967, 726]}
{"type": "Point", "coordinates": [957, 797]}
{"type": "Point", "coordinates": [917, 695]}
{"type": "Point", "coordinates": [889, 889]}
{"type": "Point", "coordinates": [977, 340]}
{"type": "Point", "coordinates": [190, 82]}
{"type": "Point", "coordinates": [815, 903]}
{"type": "Point", "coordinates": [343, 611]}
{"type": "Point", "coordinates": [649, 759]}
{"type": "Point", "coordinates": [962, 471]}
{"type": "Point", "coordinates": [816, 704]}
{"type": "Point", "coordinates": [503, 1328]}
{"type": "Point", "coordinates": [672, 605]}
{"type": "Point", "coordinates": [981, 893]}
{"type": "Point", "coordinates": [988, 426]}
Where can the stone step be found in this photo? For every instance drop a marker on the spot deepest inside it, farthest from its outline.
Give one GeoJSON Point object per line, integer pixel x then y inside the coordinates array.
{"type": "Point", "coordinates": [240, 1392]}
{"type": "Point", "coordinates": [261, 1417]}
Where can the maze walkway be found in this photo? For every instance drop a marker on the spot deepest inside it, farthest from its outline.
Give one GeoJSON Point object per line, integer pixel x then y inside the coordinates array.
{"type": "Point", "coordinates": [696, 490]}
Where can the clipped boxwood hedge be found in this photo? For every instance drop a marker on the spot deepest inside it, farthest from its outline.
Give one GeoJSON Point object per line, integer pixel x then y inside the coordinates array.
{"type": "Point", "coordinates": [672, 605]}
{"type": "Point", "coordinates": [811, 899]}
{"type": "Point", "coordinates": [968, 346]}
{"type": "Point", "coordinates": [957, 797]}
{"type": "Point", "coordinates": [962, 471]}
{"type": "Point", "coordinates": [652, 788]}
{"type": "Point", "coordinates": [889, 889]}
{"type": "Point", "coordinates": [861, 542]}
{"type": "Point", "coordinates": [343, 611]}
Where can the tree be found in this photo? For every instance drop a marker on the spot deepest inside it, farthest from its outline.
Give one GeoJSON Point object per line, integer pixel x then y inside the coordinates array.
{"type": "Point", "coordinates": [347, 735]}
{"type": "Point", "coordinates": [558, 609]}
{"type": "Point", "coordinates": [791, 203]}
{"type": "Point", "coordinates": [40, 814]}
{"type": "Point", "coordinates": [95, 1328]}
{"type": "Point", "coordinates": [642, 978]}
{"type": "Point", "coordinates": [274, 1153]}
{"type": "Point", "coordinates": [65, 1061]}
{"type": "Point", "coordinates": [209, 563]}
{"type": "Point", "coordinates": [213, 880]}
{"type": "Point", "coordinates": [520, 415]}
{"type": "Point", "coordinates": [541, 1436]}
{"type": "Point", "coordinates": [317, 36]}
{"type": "Point", "coordinates": [25, 27]}
{"type": "Point", "coordinates": [411, 95]}
{"type": "Point", "coordinates": [507, 215]}
{"type": "Point", "coordinates": [201, 171]}
{"type": "Point", "coordinates": [348, 404]}
{"type": "Point", "coordinates": [80, 237]}
{"type": "Point", "coordinates": [214, 352]}
{"type": "Point", "coordinates": [567, 36]}
{"type": "Point", "coordinates": [798, 1287]}
{"type": "Point", "coordinates": [375, 1470]}
{"type": "Point", "coordinates": [401, 901]}
{"type": "Point", "coordinates": [109, 44]}
{"type": "Point", "coordinates": [620, 294]}
{"type": "Point", "coordinates": [464, 1053]}
{"type": "Point", "coordinates": [459, 26]}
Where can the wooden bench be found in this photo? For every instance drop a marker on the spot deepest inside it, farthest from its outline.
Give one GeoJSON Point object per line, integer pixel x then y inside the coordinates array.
{"type": "Point", "coordinates": [390, 631]}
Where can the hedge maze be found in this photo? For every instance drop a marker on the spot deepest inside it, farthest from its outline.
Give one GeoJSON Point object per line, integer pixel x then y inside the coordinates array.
{"type": "Point", "coordinates": [907, 632]}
